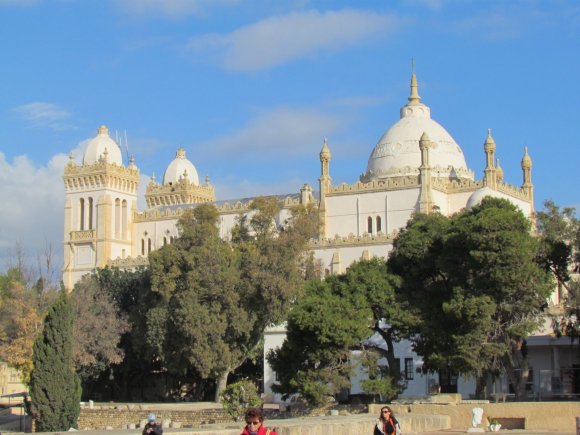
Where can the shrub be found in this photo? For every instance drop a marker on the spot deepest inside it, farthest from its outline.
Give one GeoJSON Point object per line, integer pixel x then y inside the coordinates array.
{"type": "Point", "coordinates": [239, 396]}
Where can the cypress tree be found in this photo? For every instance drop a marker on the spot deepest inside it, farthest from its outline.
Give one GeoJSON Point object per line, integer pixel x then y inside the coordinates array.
{"type": "Point", "coordinates": [55, 389]}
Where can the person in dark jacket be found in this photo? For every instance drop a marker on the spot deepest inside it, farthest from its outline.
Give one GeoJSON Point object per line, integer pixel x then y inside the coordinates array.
{"type": "Point", "coordinates": [254, 423]}
{"type": "Point", "coordinates": [152, 427]}
{"type": "Point", "coordinates": [387, 424]}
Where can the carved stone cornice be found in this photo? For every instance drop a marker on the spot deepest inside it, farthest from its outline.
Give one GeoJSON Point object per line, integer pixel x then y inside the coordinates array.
{"type": "Point", "coordinates": [129, 262]}
{"type": "Point", "coordinates": [437, 171]}
{"type": "Point", "coordinates": [518, 192]}
{"type": "Point", "coordinates": [394, 183]}
{"type": "Point", "coordinates": [180, 193]}
{"type": "Point", "coordinates": [101, 175]}
{"type": "Point", "coordinates": [352, 240]}
{"type": "Point", "coordinates": [455, 186]}
{"type": "Point", "coordinates": [458, 186]}
{"type": "Point", "coordinates": [237, 207]}
{"type": "Point", "coordinates": [83, 236]}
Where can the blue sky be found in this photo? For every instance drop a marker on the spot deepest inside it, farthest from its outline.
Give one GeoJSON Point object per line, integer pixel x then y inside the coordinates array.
{"type": "Point", "coordinates": [250, 89]}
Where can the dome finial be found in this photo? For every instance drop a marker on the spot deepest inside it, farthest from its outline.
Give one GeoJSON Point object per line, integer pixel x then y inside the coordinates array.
{"type": "Point", "coordinates": [526, 160]}
{"type": "Point", "coordinates": [414, 98]}
{"type": "Point", "coordinates": [325, 152]}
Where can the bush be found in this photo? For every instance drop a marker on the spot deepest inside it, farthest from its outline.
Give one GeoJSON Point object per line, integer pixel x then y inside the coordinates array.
{"type": "Point", "coordinates": [240, 396]}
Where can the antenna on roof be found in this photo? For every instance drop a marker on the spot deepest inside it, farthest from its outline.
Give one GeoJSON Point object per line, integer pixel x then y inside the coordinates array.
{"type": "Point", "coordinates": [126, 144]}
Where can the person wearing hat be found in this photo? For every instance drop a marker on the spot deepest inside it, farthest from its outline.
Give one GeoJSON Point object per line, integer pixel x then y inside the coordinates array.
{"type": "Point", "coordinates": [152, 427]}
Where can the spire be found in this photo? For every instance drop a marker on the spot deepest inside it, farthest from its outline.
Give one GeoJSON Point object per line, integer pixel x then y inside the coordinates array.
{"type": "Point", "coordinates": [489, 144]}
{"type": "Point", "coordinates": [325, 152]}
{"type": "Point", "coordinates": [526, 160]}
{"type": "Point", "coordinates": [414, 98]}
{"type": "Point", "coordinates": [490, 176]}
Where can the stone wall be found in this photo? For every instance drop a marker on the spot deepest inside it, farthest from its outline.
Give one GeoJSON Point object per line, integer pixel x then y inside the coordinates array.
{"type": "Point", "coordinates": [329, 425]}
{"type": "Point", "coordinates": [119, 417]}
{"type": "Point", "coordinates": [546, 416]}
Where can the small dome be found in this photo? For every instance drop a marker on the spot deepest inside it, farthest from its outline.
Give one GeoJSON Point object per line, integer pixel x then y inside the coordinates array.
{"type": "Point", "coordinates": [397, 152]}
{"type": "Point", "coordinates": [180, 168]}
{"type": "Point", "coordinates": [102, 146]}
{"type": "Point", "coordinates": [477, 196]}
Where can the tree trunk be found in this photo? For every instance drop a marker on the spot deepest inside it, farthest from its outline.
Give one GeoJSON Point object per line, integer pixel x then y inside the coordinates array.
{"type": "Point", "coordinates": [481, 386]}
{"type": "Point", "coordinates": [517, 368]}
{"type": "Point", "coordinates": [394, 370]}
{"type": "Point", "coordinates": [221, 384]}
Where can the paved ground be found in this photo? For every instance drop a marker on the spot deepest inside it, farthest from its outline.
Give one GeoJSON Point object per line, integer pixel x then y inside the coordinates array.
{"type": "Point", "coordinates": [442, 432]}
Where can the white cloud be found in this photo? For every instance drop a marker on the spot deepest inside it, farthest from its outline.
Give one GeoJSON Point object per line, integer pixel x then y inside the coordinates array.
{"type": "Point", "coordinates": [283, 131]}
{"type": "Point", "coordinates": [169, 8]}
{"type": "Point", "coordinates": [45, 115]}
{"type": "Point", "coordinates": [431, 4]}
{"type": "Point", "coordinates": [499, 25]}
{"type": "Point", "coordinates": [32, 199]}
{"type": "Point", "coordinates": [282, 39]}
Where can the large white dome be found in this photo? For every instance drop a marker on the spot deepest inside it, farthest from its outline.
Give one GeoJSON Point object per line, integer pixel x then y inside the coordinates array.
{"type": "Point", "coordinates": [180, 168]}
{"type": "Point", "coordinates": [397, 152]}
{"type": "Point", "coordinates": [102, 145]}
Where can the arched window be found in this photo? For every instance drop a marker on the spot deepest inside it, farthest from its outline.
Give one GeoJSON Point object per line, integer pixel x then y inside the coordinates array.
{"type": "Point", "coordinates": [90, 212]}
{"type": "Point", "coordinates": [164, 241]}
{"type": "Point", "coordinates": [117, 218]}
{"type": "Point", "coordinates": [82, 214]}
{"type": "Point", "coordinates": [148, 246]}
{"type": "Point", "coordinates": [379, 226]}
{"type": "Point", "coordinates": [142, 246]}
{"type": "Point", "coordinates": [370, 225]}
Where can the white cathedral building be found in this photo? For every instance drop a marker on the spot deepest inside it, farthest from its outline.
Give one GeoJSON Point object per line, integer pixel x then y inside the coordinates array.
{"type": "Point", "coordinates": [416, 166]}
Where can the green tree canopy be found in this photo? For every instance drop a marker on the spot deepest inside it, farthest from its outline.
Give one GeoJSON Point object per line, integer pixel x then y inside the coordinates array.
{"type": "Point", "coordinates": [315, 358]}
{"type": "Point", "coordinates": [55, 390]}
{"type": "Point", "coordinates": [338, 316]}
{"type": "Point", "coordinates": [22, 309]}
{"type": "Point", "coordinates": [215, 297]}
{"type": "Point", "coordinates": [98, 328]}
{"type": "Point", "coordinates": [476, 284]}
{"type": "Point", "coordinates": [559, 231]}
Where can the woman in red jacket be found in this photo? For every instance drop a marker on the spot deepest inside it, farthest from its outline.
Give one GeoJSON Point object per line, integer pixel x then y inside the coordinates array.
{"type": "Point", "coordinates": [254, 423]}
{"type": "Point", "coordinates": [387, 424]}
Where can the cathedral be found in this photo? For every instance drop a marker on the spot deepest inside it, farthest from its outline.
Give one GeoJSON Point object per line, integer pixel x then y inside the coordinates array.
{"type": "Point", "coordinates": [416, 166]}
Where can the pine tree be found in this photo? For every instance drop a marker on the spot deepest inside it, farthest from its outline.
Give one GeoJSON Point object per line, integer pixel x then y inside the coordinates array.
{"type": "Point", "coordinates": [55, 389]}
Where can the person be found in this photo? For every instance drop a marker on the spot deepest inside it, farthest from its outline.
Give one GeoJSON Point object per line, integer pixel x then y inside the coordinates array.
{"type": "Point", "coordinates": [255, 423]}
{"type": "Point", "coordinates": [152, 427]}
{"type": "Point", "coordinates": [387, 424]}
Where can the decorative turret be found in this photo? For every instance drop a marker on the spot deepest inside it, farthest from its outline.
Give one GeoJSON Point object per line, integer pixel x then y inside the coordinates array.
{"type": "Point", "coordinates": [306, 194]}
{"type": "Point", "coordinates": [498, 171]}
{"type": "Point", "coordinates": [489, 147]}
{"type": "Point", "coordinates": [527, 186]}
{"type": "Point", "coordinates": [527, 169]}
{"type": "Point", "coordinates": [324, 183]}
{"type": "Point", "coordinates": [425, 199]}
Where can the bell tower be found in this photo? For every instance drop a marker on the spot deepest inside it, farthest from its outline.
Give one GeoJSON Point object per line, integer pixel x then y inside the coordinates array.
{"type": "Point", "coordinates": [101, 198]}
